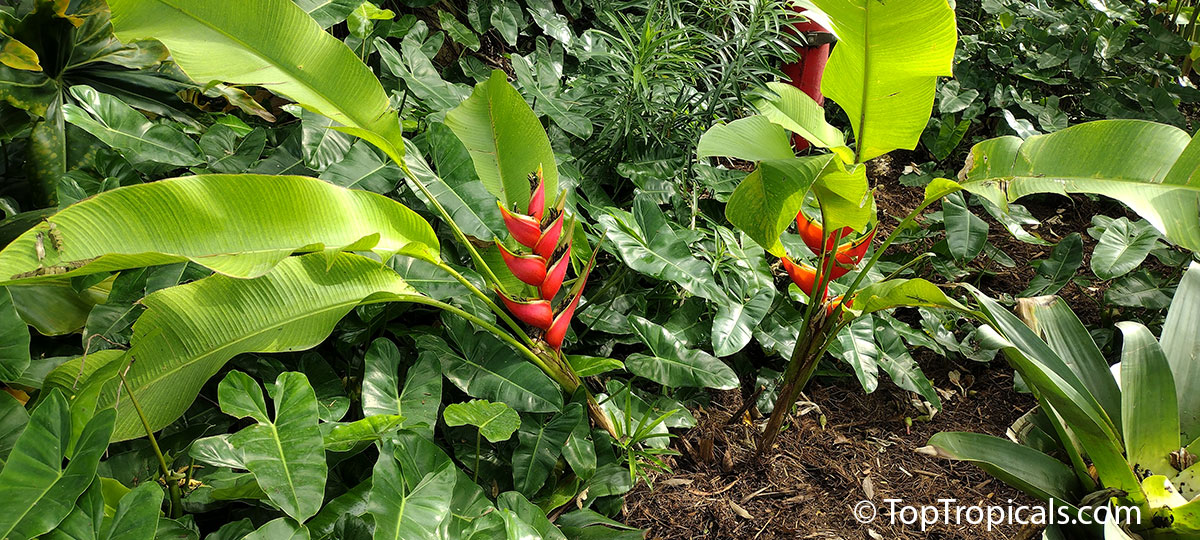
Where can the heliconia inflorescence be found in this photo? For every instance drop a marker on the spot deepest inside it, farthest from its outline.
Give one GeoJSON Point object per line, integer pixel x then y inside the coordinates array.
{"type": "Point", "coordinates": [847, 256]}
{"type": "Point", "coordinates": [541, 230]}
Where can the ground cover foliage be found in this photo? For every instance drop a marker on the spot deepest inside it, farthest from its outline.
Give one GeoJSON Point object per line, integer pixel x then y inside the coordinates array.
{"type": "Point", "coordinates": [486, 258]}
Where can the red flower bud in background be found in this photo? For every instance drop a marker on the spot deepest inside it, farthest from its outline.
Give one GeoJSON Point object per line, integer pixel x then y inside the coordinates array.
{"type": "Point", "coordinates": [546, 241]}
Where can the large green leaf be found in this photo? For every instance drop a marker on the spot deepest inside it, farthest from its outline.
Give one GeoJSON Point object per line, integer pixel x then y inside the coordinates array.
{"type": "Point", "coordinates": [767, 200]}
{"type": "Point", "coordinates": [13, 418]}
{"type": "Point", "coordinates": [754, 138]}
{"type": "Point", "coordinates": [892, 293]}
{"type": "Point", "coordinates": [496, 421]}
{"type": "Point", "coordinates": [506, 141]}
{"type": "Point", "coordinates": [467, 201]}
{"type": "Point", "coordinates": [1056, 272]}
{"type": "Point", "coordinates": [672, 363]}
{"type": "Point", "coordinates": [418, 399]}
{"type": "Point", "coordinates": [1122, 247]}
{"type": "Point", "coordinates": [121, 127]}
{"type": "Point", "coordinates": [797, 112]}
{"type": "Point", "coordinates": [402, 510]}
{"type": "Point", "coordinates": [14, 339]}
{"type": "Point", "coordinates": [249, 223]}
{"type": "Point", "coordinates": [484, 367]}
{"type": "Point", "coordinates": [271, 43]}
{"type": "Point", "coordinates": [286, 453]}
{"type": "Point", "coordinates": [1080, 159]}
{"type": "Point", "coordinates": [649, 244]}
{"type": "Point", "coordinates": [39, 492]}
{"type": "Point", "coordinates": [1181, 345]}
{"type": "Point", "coordinates": [137, 514]}
{"type": "Point", "coordinates": [1149, 410]}
{"type": "Point", "coordinates": [541, 443]}
{"type": "Point", "coordinates": [966, 233]}
{"type": "Point", "coordinates": [1020, 466]}
{"type": "Point", "coordinates": [734, 323]}
{"type": "Point", "coordinates": [279, 529]}
{"type": "Point", "coordinates": [885, 66]}
{"type": "Point", "coordinates": [188, 332]}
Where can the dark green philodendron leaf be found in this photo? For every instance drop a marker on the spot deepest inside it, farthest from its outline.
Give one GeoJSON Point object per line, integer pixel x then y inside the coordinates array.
{"type": "Point", "coordinates": [460, 193]}
{"type": "Point", "coordinates": [885, 68]}
{"type": "Point", "coordinates": [346, 436]}
{"type": "Point", "coordinates": [217, 451]}
{"type": "Point", "coordinates": [286, 453]}
{"type": "Point", "coordinates": [541, 443]}
{"type": "Point", "coordinates": [965, 232]}
{"type": "Point", "coordinates": [273, 43]}
{"type": "Point", "coordinates": [418, 399]}
{"type": "Point", "coordinates": [1054, 273]}
{"type": "Point", "coordinates": [530, 514]}
{"type": "Point", "coordinates": [506, 141]}
{"type": "Point", "coordinates": [458, 31]}
{"type": "Point", "coordinates": [404, 510]}
{"type": "Point", "coordinates": [487, 368]}
{"type": "Point", "coordinates": [328, 12]}
{"type": "Point", "coordinates": [649, 244]}
{"type": "Point", "coordinates": [279, 529]}
{"type": "Point", "coordinates": [108, 324]}
{"type": "Point", "coordinates": [86, 520]}
{"type": "Point", "coordinates": [13, 419]}
{"type": "Point", "coordinates": [673, 364]}
{"type": "Point", "coordinates": [14, 339]}
{"type": "Point", "coordinates": [470, 510]}
{"type": "Point", "coordinates": [420, 76]}
{"type": "Point", "coordinates": [751, 291]}
{"type": "Point", "coordinates": [363, 168]}
{"type": "Point", "coordinates": [859, 350]}
{"type": "Point", "coordinates": [1122, 247]}
{"type": "Point", "coordinates": [275, 216]}
{"type": "Point", "coordinates": [230, 152]}
{"type": "Point", "coordinates": [496, 421]}
{"type": "Point", "coordinates": [587, 366]}
{"type": "Point", "coordinates": [895, 359]}
{"type": "Point", "coordinates": [332, 401]}
{"type": "Point", "coordinates": [1160, 185]}
{"type": "Point", "coordinates": [39, 491]}
{"type": "Point", "coordinates": [1139, 289]}
{"type": "Point", "coordinates": [540, 75]}
{"type": "Point", "coordinates": [137, 514]}
{"type": "Point", "coordinates": [320, 143]}
{"type": "Point", "coordinates": [120, 126]}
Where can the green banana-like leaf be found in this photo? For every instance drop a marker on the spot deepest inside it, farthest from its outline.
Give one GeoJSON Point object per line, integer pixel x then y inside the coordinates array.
{"type": "Point", "coordinates": [767, 200]}
{"type": "Point", "coordinates": [40, 492]}
{"type": "Point", "coordinates": [1158, 184]}
{"type": "Point", "coordinates": [1149, 410]}
{"type": "Point", "coordinates": [506, 141]}
{"type": "Point", "coordinates": [270, 43]}
{"type": "Point", "coordinates": [754, 138]}
{"type": "Point", "coordinates": [672, 363]}
{"type": "Point", "coordinates": [239, 225]}
{"type": "Point", "coordinates": [418, 399]}
{"type": "Point", "coordinates": [541, 443]}
{"type": "Point", "coordinates": [1020, 466]}
{"type": "Point", "coordinates": [1181, 344]}
{"type": "Point", "coordinates": [286, 453]}
{"type": "Point", "coordinates": [137, 513]}
{"type": "Point", "coordinates": [188, 332]}
{"type": "Point", "coordinates": [892, 293]}
{"type": "Point", "coordinates": [14, 339]}
{"type": "Point", "coordinates": [885, 67]}
{"type": "Point", "coordinates": [797, 112]}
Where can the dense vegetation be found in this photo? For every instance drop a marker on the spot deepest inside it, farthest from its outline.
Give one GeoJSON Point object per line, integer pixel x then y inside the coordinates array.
{"type": "Point", "coordinates": [487, 258]}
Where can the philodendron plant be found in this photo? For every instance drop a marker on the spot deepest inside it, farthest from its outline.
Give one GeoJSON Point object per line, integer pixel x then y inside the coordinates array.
{"type": "Point", "coordinates": [1095, 439]}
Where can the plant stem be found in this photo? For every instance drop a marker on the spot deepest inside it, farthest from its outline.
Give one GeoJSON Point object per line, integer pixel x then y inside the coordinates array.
{"type": "Point", "coordinates": [172, 486]}
{"type": "Point", "coordinates": [487, 300]}
{"type": "Point", "coordinates": [478, 445]}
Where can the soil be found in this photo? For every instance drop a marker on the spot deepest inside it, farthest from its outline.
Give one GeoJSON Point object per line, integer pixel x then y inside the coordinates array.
{"type": "Point", "coordinates": [808, 486]}
{"type": "Point", "coordinates": [845, 446]}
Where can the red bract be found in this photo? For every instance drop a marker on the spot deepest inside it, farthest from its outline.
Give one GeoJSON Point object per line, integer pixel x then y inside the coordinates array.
{"type": "Point", "coordinates": [537, 201]}
{"type": "Point", "coordinates": [530, 269]}
{"type": "Point", "coordinates": [524, 229]}
{"type": "Point", "coordinates": [554, 277]}
{"type": "Point", "coordinates": [549, 240]}
{"type": "Point", "coordinates": [535, 313]}
{"type": "Point", "coordinates": [812, 233]}
{"type": "Point", "coordinates": [562, 321]}
{"type": "Point", "coordinates": [803, 275]}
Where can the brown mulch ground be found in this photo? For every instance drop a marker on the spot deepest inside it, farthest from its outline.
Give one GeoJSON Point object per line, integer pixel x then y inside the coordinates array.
{"type": "Point", "coordinates": [809, 485]}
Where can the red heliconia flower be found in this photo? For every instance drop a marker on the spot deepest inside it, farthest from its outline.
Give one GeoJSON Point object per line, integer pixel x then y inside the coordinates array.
{"type": "Point", "coordinates": [530, 269]}
{"type": "Point", "coordinates": [555, 276]}
{"type": "Point", "coordinates": [537, 201]}
{"type": "Point", "coordinates": [812, 233]}
{"type": "Point", "coordinates": [803, 275]}
{"type": "Point", "coordinates": [535, 313]}
{"type": "Point", "coordinates": [562, 321]}
{"type": "Point", "coordinates": [836, 303]}
{"type": "Point", "coordinates": [549, 240]}
{"type": "Point", "coordinates": [525, 229]}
